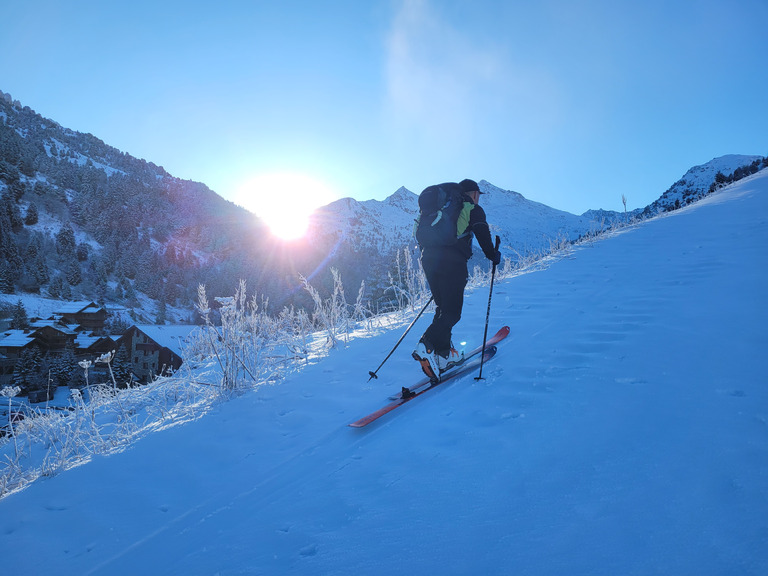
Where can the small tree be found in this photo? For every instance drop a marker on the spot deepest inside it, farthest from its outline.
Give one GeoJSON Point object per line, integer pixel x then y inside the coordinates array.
{"type": "Point", "coordinates": [6, 278]}
{"type": "Point", "coordinates": [63, 367]}
{"type": "Point", "coordinates": [32, 216]}
{"type": "Point", "coordinates": [121, 367]}
{"type": "Point", "coordinates": [26, 374]}
{"type": "Point", "coordinates": [82, 251]}
{"type": "Point", "coordinates": [65, 240]}
{"type": "Point", "coordinates": [19, 320]}
{"type": "Point", "coordinates": [162, 309]}
{"type": "Point", "coordinates": [60, 288]}
{"type": "Point", "coordinates": [720, 178]}
{"type": "Point", "coordinates": [74, 274]}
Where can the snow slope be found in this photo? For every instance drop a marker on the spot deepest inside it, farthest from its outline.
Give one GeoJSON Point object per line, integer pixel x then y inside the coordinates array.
{"type": "Point", "coordinates": [622, 429]}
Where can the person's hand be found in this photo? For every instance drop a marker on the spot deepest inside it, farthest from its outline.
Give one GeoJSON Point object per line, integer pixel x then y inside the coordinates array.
{"type": "Point", "coordinates": [496, 258]}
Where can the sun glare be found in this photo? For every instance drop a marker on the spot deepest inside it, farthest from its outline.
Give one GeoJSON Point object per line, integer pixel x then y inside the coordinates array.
{"type": "Point", "coordinates": [284, 201]}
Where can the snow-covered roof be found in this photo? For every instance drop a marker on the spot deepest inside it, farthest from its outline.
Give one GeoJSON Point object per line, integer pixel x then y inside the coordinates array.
{"type": "Point", "coordinates": [41, 323]}
{"type": "Point", "coordinates": [84, 341]}
{"type": "Point", "coordinates": [64, 328]}
{"type": "Point", "coordinates": [75, 307]}
{"type": "Point", "coordinates": [15, 338]}
{"type": "Point", "coordinates": [172, 337]}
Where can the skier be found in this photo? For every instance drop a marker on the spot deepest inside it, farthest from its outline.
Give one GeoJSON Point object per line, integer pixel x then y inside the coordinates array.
{"type": "Point", "coordinates": [446, 270]}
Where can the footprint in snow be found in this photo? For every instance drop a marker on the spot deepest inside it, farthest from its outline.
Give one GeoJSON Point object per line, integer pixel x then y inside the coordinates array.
{"type": "Point", "coordinates": [307, 551]}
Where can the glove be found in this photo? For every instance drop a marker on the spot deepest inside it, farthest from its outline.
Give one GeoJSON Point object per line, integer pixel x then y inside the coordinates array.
{"type": "Point", "coordinates": [496, 258]}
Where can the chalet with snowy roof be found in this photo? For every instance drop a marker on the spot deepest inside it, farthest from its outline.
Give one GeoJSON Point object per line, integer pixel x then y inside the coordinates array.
{"type": "Point", "coordinates": [94, 344]}
{"type": "Point", "coordinates": [52, 336]}
{"type": "Point", "coordinates": [55, 335]}
{"type": "Point", "coordinates": [12, 344]}
{"type": "Point", "coordinates": [154, 349]}
{"type": "Point", "coordinates": [89, 315]}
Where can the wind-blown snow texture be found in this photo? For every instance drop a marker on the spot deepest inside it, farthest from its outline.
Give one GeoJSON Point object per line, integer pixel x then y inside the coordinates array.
{"type": "Point", "coordinates": [621, 429]}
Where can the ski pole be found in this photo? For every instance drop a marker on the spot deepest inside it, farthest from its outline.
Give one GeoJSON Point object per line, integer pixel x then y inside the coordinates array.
{"type": "Point", "coordinates": [488, 313]}
{"type": "Point", "coordinates": [373, 373]}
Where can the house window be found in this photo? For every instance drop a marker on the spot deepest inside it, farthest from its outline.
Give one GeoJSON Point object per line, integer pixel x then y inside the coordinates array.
{"type": "Point", "coordinates": [145, 365]}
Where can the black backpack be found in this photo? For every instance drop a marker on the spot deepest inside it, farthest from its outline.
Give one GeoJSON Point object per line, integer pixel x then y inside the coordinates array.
{"type": "Point", "coordinates": [443, 215]}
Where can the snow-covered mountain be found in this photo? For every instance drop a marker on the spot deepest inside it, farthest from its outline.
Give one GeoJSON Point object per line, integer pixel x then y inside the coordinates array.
{"type": "Point", "coordinates": [138, 231]}
{"type": "Point", "coordinates": [378, 228]}
{"type": "Point", "coordinates": [380, 225]}
{"type": "Point", "coordinates": [527, 227]}
{"type": "Point", "coordinates": [524, 226]}
{"type": "Point", "coordinates": [362, 238]}
{"type": "Point", "coordinates": [697, 182]}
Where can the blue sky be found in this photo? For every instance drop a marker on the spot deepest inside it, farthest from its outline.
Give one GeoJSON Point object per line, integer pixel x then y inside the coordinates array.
{"type": "Point", "coordinates": [570, 103]}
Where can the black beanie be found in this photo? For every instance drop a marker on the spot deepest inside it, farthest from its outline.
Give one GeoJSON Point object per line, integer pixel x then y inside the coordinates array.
{"type": "Point", "coordinates": [468, 185]}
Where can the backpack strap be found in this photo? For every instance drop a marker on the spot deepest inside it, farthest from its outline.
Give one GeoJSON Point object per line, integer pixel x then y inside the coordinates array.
{"type": "Point", "coordinates": [462, 225]}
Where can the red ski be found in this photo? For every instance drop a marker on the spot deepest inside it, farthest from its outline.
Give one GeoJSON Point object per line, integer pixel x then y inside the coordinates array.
{"type": "Point", "coordinates": [464, 368]}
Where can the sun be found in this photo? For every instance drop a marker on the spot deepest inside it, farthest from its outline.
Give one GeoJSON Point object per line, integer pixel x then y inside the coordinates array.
{"type": "Point", "coordinates": [284, 201]}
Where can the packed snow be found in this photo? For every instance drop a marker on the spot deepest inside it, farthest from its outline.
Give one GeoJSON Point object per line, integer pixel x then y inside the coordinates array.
{"type": "Point", "coordinates": [621, 429]}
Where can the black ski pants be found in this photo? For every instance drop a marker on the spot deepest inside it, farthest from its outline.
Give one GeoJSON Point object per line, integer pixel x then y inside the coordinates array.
{"type": "Point", "coordinates": [447, 278]}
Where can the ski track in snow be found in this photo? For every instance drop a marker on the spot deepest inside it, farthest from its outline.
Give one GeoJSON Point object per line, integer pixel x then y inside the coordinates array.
{"type": "Point", "coordinates": [621, 429]}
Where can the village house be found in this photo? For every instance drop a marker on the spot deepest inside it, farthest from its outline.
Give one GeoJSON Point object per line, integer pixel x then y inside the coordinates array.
{"type": "Point", "coordinates": [79, 326]}
{"type": "Point", "coordinates": [88, 315]}
{"type": "Point", "coordinates": [155, 349]}
{"type": "Point", "coordinates": [94, 345]}
{"type": "Point", "coordinates": [12, 345]}
{"type": "Point", "coordinates": [152, 350]}
{"type": "Point", "coordinates": [14, 342]}
{"type": "Point", "coordinates": [53, 335]}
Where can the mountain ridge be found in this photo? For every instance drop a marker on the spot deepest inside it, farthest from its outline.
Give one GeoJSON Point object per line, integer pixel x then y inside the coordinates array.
{"type": "Point", "coordinates": [138, 229]}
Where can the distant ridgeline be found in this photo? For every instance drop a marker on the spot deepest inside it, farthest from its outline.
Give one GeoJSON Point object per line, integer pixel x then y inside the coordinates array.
{"type": "Point", "coordinates": [81, 220]}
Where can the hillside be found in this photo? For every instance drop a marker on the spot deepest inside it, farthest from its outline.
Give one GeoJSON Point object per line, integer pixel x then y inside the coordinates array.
{"type": "Point", "coordinates": [80, 219]}
{"type": "Point", "coordinates": [620, 430]}
{"type": "Point", "coordinates": [699, 181]}
{"type": "Point", "coordinates": [85, 220]}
